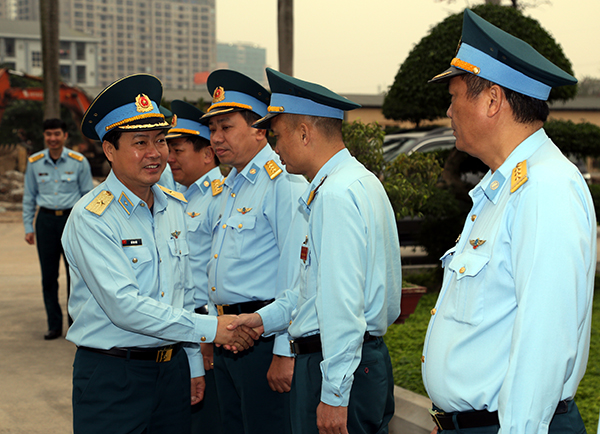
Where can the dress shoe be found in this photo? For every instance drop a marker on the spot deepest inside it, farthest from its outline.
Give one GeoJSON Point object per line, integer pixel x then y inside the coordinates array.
{"type": "Point", "coordinates": [52, 334]}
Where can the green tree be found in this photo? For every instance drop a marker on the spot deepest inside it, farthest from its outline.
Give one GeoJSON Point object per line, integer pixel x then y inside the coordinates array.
{"type": "Point", "coordinates": [411, 98]}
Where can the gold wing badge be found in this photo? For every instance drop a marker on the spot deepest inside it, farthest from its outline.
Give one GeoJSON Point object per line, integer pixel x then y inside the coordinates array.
{"type": "Point", "coordinates": [244, 210]}
{"type": "Point", "coordinates": [476, 243]}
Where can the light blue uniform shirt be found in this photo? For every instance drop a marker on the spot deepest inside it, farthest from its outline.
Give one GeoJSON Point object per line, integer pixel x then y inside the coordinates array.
{"type": "Point", "coordinates": [252, 223]}
{"type": "Point", "coordinates": [511, 327]}
{"type": "Point", "coordinates": [167, 180]}
{"type": "Point", "coordinates": [351, 275]}
{"type": "Point", "coordinates": [130, 275]}
{"type": "Point", "coordinates": [54, 186]}
{"type": "Point", "coordinates": [199, 196]}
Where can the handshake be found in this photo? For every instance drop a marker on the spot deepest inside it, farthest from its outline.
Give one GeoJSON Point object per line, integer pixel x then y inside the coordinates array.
{"type": "Point", "coordinates": [238, 333]}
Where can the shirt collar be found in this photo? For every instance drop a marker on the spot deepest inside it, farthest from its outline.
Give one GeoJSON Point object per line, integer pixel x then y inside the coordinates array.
{"type": "Point", "coordinates": [128, 201]}
{"type": "Point", "coordinates": [203, 184]}
{"type": "Point", "coordinates": [324, 171]}
{"type": "Point", "coordinates": [252, 169]}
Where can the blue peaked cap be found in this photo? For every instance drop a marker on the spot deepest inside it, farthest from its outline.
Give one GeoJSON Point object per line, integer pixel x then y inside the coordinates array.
{"type": "Point", "coordinates": [186, 121]}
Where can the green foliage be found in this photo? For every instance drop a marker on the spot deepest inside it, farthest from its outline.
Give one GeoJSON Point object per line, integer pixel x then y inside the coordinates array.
{"type": "Point", "coordinates": [595, 191]}
{"type": "Point", "coordinates": [582, 139]}
{"type": "Point", "coordinates": [411, 98]}
{"type": "Point", "coordinates": [408, 181]}
{"type": "Point", "coordinates": [405, 343]}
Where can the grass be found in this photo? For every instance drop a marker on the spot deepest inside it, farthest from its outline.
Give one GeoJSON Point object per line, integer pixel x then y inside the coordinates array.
{"type": "Point", "coordinates": [405, 343]}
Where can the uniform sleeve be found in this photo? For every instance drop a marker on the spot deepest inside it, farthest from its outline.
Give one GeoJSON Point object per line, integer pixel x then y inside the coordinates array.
{"type": "Point", "coordinates": [86, 184]}
{"type": "Point", "coordinates": [552, 255]}
{"type": "Point", "coordinates": [340, 251]}
{"type": "Point", "coordinates": [94, 249]}
{"type": "Point", "coordinates": [29, 198]}
{"type": "Point", "coordinates": [280, 211]}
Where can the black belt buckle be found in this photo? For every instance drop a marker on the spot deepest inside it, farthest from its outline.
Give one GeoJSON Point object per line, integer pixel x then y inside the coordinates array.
{"type": "Point", "coordinates": [434, 415]}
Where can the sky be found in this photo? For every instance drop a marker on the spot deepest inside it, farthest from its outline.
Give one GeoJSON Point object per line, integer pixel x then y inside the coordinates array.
{"type": "Point", "coordinates": [357, 46]}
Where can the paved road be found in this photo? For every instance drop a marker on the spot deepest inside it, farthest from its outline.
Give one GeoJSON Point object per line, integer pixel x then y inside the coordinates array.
{"type": "Point", "coordinates": [35, 375]}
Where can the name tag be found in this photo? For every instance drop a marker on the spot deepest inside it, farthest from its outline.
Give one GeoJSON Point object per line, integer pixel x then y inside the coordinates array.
{"type": "Point", "coordinates": [134, 242]}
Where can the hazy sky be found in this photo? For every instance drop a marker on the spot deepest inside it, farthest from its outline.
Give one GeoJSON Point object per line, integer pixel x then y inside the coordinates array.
{"type": "Point", "coordinates": [357, 46]}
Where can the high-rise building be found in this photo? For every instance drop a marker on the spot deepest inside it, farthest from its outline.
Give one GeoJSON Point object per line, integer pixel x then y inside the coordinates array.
{"type": "Point", "coordinates": [245, 58]}
{"type": "Point", "coordinates": [172, 39]}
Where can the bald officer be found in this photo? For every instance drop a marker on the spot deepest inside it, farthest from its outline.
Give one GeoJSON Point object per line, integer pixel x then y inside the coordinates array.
{"type": "Point", "coordinates": [348, 292]}
{"type": "Point", "coordinates": [137, 367]}
{"type": "Point", "coordinates": [508, 339]}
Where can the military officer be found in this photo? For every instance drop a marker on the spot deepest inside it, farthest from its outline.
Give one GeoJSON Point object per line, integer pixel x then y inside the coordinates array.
{"type": "Point", "coordinates": [350, 280]}
{"type": "Point", "coordinates": [508, 339]}
{"type": "Point", "coordinates": [55, 180]}
{"type": "Point", "coordinates": [250, 226]}
{"type": "Point", "coordinates": [194, 166]}
{"type": "Point", "coordinates": [137, 367]}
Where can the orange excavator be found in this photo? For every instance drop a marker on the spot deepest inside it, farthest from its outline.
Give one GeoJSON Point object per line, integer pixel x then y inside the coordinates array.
{"type": "Point", "coordinates": [75, 99]}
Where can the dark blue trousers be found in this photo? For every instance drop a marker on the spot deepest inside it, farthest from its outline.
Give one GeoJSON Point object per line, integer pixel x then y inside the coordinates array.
{"type": "Point", "coordinates": [121, 396]}
{"type": "Point", "coordinates": [206, 418]}
{"type": "Point", "coordinates": [371, 405]}
{"type": "Point", "coordinates": [48, 231]}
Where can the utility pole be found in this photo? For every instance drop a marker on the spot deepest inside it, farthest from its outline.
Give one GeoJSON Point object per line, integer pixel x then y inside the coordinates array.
{"type": "Point", "coordinates": [51, 80]}
{"type": "Point", "coordinates": [285, 35]}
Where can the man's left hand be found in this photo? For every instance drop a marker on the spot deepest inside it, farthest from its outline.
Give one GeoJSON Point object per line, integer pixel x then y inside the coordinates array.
{"type": "Point", "coordinates": [332, 420]}
{"type": "Point", "coordinates": [198, 386]}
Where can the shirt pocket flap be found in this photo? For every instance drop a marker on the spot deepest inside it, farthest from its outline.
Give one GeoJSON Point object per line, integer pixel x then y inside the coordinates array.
{"type": "Point", "coordinates": [241, 222]}
{"type": "Point", "coordinates": [138, 255]}
{"type": "Point", "coordinates": [468, 264]}
{"type": "Point", "coordinates": [71, 177]}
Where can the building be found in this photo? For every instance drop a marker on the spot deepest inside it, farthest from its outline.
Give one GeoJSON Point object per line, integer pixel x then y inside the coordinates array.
{"type": "Point", "coordinates": [246, 58]}
{"type": "Point", "coordinates": [172, 39]}
{"type": "Point", "coordinates": [21, 50]}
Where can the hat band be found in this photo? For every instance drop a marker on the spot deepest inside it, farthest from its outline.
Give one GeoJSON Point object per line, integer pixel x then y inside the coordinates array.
{"type": "Point", "coordinates": [230, 104]}
{"type": "Point", "coordinates": [235, 99]}
{"type": "Point", "coordinates": [184, 131]}
{"type": "Point", "coordinates": [133, 119]}
{"type": "Point", "coordinates": [500, 73]}
{"type": "Point", "coordinates": [284, 103]}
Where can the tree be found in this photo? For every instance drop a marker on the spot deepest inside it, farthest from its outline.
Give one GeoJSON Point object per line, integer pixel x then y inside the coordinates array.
{"type": "Point", "coordinates": [411, 98]}
{"type": "Point", "coordinates": [285, 35]}
{"type": "Point", "coordinates": [49, 32]}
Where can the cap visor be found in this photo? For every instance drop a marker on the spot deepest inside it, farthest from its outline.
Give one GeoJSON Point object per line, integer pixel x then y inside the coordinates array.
{"type": "Point", "coordinates": [265, 122]}
{"type": "Point", "coordinates": [218, 111]}
{"type": "Point", "coordinates": [445, 76]}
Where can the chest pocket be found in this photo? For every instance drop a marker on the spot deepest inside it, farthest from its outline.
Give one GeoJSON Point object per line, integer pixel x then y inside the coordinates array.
{"type": "Point", "coordinates": [240, 234]}
{"type": "Point", "coordinates": [193, 224]}
{"type": "Point", "coordinates": [43, 178]}
{"type": "Point", "coordinates": [178, 247]}
{"type": "Point", "coordinates": [69, 177]}
{"type": "Point", "coordinates": [467, 298]}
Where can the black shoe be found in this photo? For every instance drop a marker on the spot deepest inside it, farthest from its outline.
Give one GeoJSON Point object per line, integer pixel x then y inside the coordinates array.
{"type": "Point", "coordinates": [52, 334]}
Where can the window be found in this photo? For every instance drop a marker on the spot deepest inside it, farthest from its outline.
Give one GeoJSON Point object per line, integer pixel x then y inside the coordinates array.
{"type": "Point", "coordinates": [9, 47]}
{"type": "Point", "coordinates": [81, 75]}
{"type": "Point", "coordinates": [36, 59]}
{"type": "Point", "coordinates": [65, 72]}
{"type": "Point", "coordinates": [64, 51]}
{"type": "Point", "coordinates": [80, 50]}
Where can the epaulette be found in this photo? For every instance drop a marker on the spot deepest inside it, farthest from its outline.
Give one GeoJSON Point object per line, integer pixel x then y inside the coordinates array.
{"type": "Point", "coordinates": [100, 202]}
{"type": "Point", "coordinates": [75, 156]}
{"type": "Point", "coordinates": [273, 169]}
{"type": "Point", "coordinates": [519, 176]}
{"type": "Point", "coordinates": [177, 195]}
{"type": "Point", "coordinates": [35, 158]}
{"type": "Point", "coordinates": [217, 186]}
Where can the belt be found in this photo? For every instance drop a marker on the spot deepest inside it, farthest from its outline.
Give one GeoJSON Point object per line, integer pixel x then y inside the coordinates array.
{"type": "Point", "coordinates": [476, 419]}
{"type": "Point", "coordinates": [202, 310]}
{"type": "Point", "coordinates": [312, 343]}
{"type": "Point", "coordinates": [56, 212]}
{"type": "Point", "coordinates": [159, 355]}
{"type": "Point", "coordinates": [236, 309]}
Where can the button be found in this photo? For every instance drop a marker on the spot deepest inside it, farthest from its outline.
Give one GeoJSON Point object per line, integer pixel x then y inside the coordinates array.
{"type": "Point", "coordinates": [240, 226]}
{"type": "Point", "coordinates": [422, 359]}
{"type": "Point", "coordinates": [134, 260]}
{"type": "Point", "coordinates": [159, 259]}
{"type": "Point", "coordinates": [162, 294]}
{"type": "Point", "coordinates": [224, 226]}
{"type": "Point", "coordinates": [232, 194]}
{"type": "Point", "coordinates": [462, 270]}
{"type": "Point", "coordinates": [180, 252]}
{"type": "Point", "coordinates": [213, 289]}
{"type": "Point", "coordinates": [216, 256]}
{"type": "Point", "coordinates": [55, 194]}
{"type": "Point", "coordinates": [68, 179]}
{"type": "Point", "coordinates": [56, 180]}
{"type": "Point", "coordinates": [433, 311]}
{"type": "Point", "coordinates": [290, 322]}
{"type": "Point", "coordinates": [203, 339]}
{"type": "Point", "coordinates": [142, 204]}
{"type": "Point", "coordinates": [473, 217]}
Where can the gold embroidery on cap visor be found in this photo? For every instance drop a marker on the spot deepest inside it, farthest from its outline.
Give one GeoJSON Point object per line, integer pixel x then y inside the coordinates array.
{"type": "Point", "coordinates": [183, 131]}
{"type": "Point", "coordinates": [456, 62]}
{"type": "Point", "coordinates": [230, 105]}
{"type": "Point", "coordinates": [122, 124]}
{"type": "Point", "coordinates": [275, 109]}
{"type": "Point", "coordinates": [143, 103]}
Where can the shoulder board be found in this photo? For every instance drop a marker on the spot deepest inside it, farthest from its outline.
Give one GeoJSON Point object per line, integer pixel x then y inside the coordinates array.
{"type": "Point", "coordinates": [75, 156]}
{"type": "Point", "coordinates": [100, 202]}
{"type": "Point", "coordinates": [273, 169]}
{"type": "Point", "coordinates": [217, 186]}
{"type": "Point", "coordinates": [519, 176]}
{"type": "Point", "coordinates": [36, 157]}
{"type": "Point", "coordinates": [177, 195]}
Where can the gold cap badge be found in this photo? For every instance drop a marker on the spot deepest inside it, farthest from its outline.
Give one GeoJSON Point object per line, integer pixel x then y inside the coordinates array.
{"type": "Point", "coordinates": [218, 95]}
{"type": "Point", "coordinates": [174, 121]}
{"type": "Point", "coordinates": [143, 103]}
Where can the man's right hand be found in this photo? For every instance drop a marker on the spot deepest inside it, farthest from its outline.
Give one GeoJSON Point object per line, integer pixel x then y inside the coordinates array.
{"type": "Point", "coordinates": [236, 338]}
{"type": "Point", "coordinates": [30, 238]}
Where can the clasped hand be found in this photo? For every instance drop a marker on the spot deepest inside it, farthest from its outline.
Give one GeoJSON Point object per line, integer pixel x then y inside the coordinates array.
{"type": "Point", "coordinates": [234, 334]}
